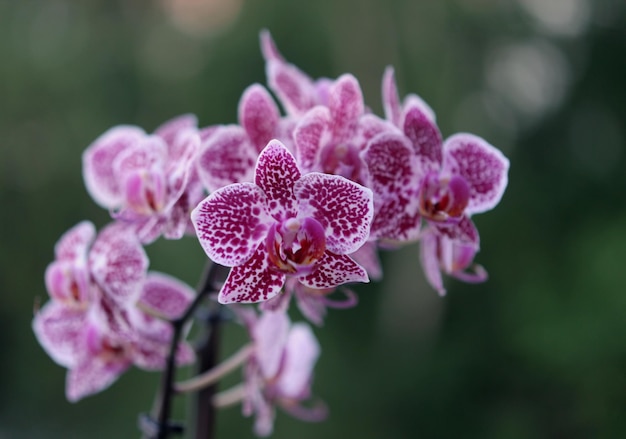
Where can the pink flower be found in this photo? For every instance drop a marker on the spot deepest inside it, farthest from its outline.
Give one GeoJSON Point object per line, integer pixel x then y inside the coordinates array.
{"type": "Point", "coordinates": [462, 176]}
{"type": "Point", "coordinates": [146, 180]}
{"type": "Point", "coordinates": [100, 342]}
{"type": "Point", "coordinates": [114, 262]}
{"type": "Point", "coordinates": [106, 312]}
{"type": "Point", "coordinates": [280, 371]}
{"type": "Point", "coordinates": [284, 224]}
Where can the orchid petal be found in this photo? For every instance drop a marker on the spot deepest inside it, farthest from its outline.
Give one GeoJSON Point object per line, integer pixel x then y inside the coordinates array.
{"type": "Point", "coordinates": [98, 158]}
{"type": "Point", "coordinates": [92, 376]}
{"type": "Point", "coordinates": [425, 137]}
{"type": "Point", "coordinates": [346, 105]}
{"type": "Point", "coordinates": [59, 329]}
{"type": "Point", "coordinates": [301, 353]}
{"type": "Point", "coordinates": [333, 270]}
{"type": "Point", "coordinates": [75, 242]}
{"type": "Point", "coordinates": [268, 47]}
{"type": "Point", "coordinates": [311, 133]}
{"type": "Point", "coordinates": [258, 115]}
{"type": "Point", "coordinates": [169, 130]}
{"type": "Point", "coordinates": [118, 263]}
{"type": "Point", "coordinates": [344, 208]}
{"type": "Point", "coordinates": [414, 101]}
{"type": "Point", "coordinates": [68, 282]}
{"type": "Point", "coordinates": [311, 304]}
{"type": "Point", "coordinates": [367, 257]}
{"type": "Point", "coordinates": [231, 222]}
{"type": "Point", "coordinates": [270, 336]}
{"type": "Point", "coordinates": [150, 354]}
{"type": "Point", "coordinates": [483, 166]}
{"type": "Point", "coordinates": [371, 125]}
{"type": "Point", "coordinates": [391, 100]}
{"type": "Point", "coordinates": [394, 180]}
{"type": "Point", "coordinates": [276, 173]}
{"type": "Point", "coordinates": [294, 89]}
{"type": "Point", "coordinates": [252, 282]}
{"type": "Point", "coordinates": [430, 260]}
{"type": "Point", "coordinates": [226, 157]}
{"type": "Point", "coordinates": [180, 166]}
{"type": "Point", "coordinates": [165, 295]}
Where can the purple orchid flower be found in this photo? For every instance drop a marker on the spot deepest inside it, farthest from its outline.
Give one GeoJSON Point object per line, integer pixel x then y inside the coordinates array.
{"type": "Point", "coordinates": [284, 224]}
{"type": "Point", "coordinates": [102, 316]}
{"type": "Point", "coordinates": [280, 371]}
{"type": "Point", "coordinates": [114, 262]}
{"type": "Point", "coordinates": [146, 180]}
{"type": "Point", "coordinates": [100, 342]}
{"type": "Point", "coordinates": [462, 176]}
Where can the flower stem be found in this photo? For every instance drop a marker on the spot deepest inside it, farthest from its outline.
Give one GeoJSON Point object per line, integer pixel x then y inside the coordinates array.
{"type": "Point", "coordinates": [215, 374]}
{"type": "Point", "coordinates": [158, 426]}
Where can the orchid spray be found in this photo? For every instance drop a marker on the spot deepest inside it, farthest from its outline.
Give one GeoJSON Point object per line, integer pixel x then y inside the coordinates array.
{"type": "Point", "coordinates": [296, 204]}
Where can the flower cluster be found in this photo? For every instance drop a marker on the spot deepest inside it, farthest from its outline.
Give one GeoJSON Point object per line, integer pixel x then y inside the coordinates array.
{"type": "Point", "coordinates": [297, 204]}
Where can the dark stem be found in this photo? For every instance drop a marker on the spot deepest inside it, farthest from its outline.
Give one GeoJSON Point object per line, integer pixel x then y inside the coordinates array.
{"type": "Point", "coordinates": [158, 426]}
{"type": "Point", "coordinates": [204, 418]}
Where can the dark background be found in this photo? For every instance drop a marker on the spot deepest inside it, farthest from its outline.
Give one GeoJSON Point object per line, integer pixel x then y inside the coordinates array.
{"type": "Point", "coordinates": [539, 351]}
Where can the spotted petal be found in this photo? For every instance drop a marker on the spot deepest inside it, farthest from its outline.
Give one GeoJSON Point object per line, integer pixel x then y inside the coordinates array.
{"type": "Point", "coordinates": [424, 135]}
{"type": "Point", "coordinates": [75, 242]}
{"type": "Point", "coordinates": [118, 263]}
{"type": "Point", "coordinates": [391, 100]}
{"type": "Point", "coordinates": [59, 329]}
{"type": "Point", "coordinates": [276, 173]}
{"type": "Point", "coordinates": [258, 115]}
{"type": "Point", "coordinates": [293, 87]}
{"type": "Point", "coordinates": [483, 166]}
{"type": "Point", "coordinates": [333, 270]}
{"type": "Point", "coordinates": [344, 208]}
{"type": "Point", "coordinates": [231, 223]}
{"type": "Point", "coordinates": [310, 135]}
{"type": "Point", "coordinates": [346, 105]}
{"type": "Point", "coordinates": [169, 130]}
{"type": "Point", "coordinates": [254, 281]}
{"type": "Point", "coordinates": [98, 158]}
{"type": "Point", "coordinates": [165, 295]}
{"type": "Point", "coordinates": [226, 157]}
{"type": "Point", "coordinates": [394, 179]}
{"type": "Point", "coordinates": [93, 375]}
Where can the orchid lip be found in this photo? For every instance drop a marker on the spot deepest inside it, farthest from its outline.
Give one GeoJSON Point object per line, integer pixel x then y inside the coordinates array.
{"type": "Point", "coordinates": [443, 199]}
{"type": "Point", "coordinates": [296, 245]}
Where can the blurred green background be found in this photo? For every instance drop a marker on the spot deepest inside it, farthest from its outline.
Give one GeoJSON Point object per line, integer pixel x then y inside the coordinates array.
{"type": "Point", "coordinates": [539, 351]}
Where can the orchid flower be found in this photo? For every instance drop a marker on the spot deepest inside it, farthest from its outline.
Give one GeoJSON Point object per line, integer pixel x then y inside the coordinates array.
{"type": "Point", "coordinates": [284, 224]}
{"type": "Point", "coordinates": [279, 372]}
{"type": "Point", "coordinates": [146, 180]}
{"type": "Point", "coordinates": [99, 343]}
{"type": "Point", "coordinates": [105, 313]}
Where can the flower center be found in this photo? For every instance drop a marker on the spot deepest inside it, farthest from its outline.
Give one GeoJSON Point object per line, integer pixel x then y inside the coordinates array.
{"type": "Point", "coordinates": [295, 245]}
{"type": "Point", "coordinates": [443, 199]}
{"type": "Point", "coordinates": [145, 192]}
